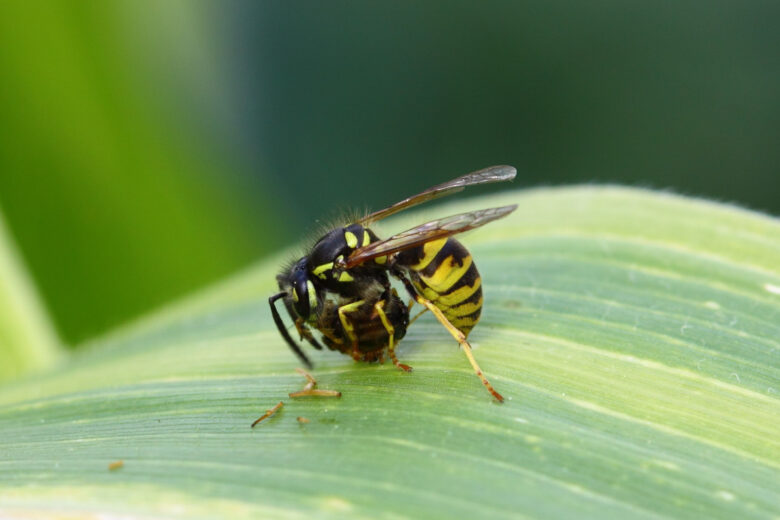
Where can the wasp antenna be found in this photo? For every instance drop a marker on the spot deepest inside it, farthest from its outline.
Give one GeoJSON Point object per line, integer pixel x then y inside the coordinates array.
{"type": "Point", "coordinates": [283, 330]}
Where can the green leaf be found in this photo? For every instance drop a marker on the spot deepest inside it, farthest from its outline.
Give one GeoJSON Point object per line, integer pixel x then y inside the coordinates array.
{"type": "Point", "coordinates": [634, 335]}
{"type": "Point", "coordinates": [27, 338]}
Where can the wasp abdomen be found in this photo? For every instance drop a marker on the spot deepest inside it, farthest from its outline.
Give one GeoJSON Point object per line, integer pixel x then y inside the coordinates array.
{"type": "Point", "coordinates": [444, 272]}
{"type": "Point", "coordinates": [371, 333]}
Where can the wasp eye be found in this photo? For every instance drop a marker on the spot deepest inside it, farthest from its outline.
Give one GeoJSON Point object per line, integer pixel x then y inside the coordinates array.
{"type": "Point", "coordinates": [304, 297]}
{"type": "Point", "coordinates": [299, 292]}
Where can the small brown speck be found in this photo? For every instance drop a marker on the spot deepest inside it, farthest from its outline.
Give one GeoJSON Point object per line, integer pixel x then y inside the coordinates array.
{"type": "Point", "coordinates": [113, 466]}
{"type": "Point", "coordinates": [303, 420]}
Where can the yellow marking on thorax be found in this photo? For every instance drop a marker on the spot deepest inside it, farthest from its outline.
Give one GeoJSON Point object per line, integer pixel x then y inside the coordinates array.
{"type": "Point", "coordinates": [345, 277]}
{"type": "Point", "coordinates": [320, 269]}
{"type": "Point", "coordinates": [381, 259]}
{"type": "Point", "coordinates": [446, 275]}
{"type": "Point", "coordinates": [459, 294]}
{"type": "Point", "coordinates": [352, 240]}
{"type": "Point", "coordinates": [366, 238]}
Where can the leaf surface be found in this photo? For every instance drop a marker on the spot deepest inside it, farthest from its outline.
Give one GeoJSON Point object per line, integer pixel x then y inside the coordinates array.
{"type": "Point", "coordinates": [633, 333]}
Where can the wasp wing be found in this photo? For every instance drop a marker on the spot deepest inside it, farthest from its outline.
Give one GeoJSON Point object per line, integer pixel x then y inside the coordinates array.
{"type": "Point", "coordinates": [427, 232]}
{"type": "Point", "coordinates": [491, 174]}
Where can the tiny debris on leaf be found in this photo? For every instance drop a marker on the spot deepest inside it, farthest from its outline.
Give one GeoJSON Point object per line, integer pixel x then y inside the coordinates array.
{"type": "Point", "coordinates": [309, 390]}
{"type": "Point", "coordinates": [113, 466]}
{"type": "Point", "coordinates": [315, 393]}
{"type": "Point", "coordinates": [268, 413]}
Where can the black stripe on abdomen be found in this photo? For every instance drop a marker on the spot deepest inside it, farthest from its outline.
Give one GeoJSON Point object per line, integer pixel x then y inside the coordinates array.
{"type": "Point", "coordinates": [452, 282]}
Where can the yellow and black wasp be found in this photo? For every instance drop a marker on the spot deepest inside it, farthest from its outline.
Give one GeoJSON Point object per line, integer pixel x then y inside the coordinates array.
{"type": "Point", "coordinates": [342, 286]}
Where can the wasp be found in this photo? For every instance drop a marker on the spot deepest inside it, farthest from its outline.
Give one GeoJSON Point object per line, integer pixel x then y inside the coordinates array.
{"type": "Point", "coordinates": [342, 287]}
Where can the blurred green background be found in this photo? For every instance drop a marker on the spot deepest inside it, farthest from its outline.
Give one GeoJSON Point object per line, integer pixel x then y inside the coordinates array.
{"type": "Point", "coordinates": [149, 148]}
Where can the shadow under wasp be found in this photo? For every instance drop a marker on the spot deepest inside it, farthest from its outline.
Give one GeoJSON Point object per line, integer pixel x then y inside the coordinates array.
{"type": "Point", "coordinates": [342, 286]}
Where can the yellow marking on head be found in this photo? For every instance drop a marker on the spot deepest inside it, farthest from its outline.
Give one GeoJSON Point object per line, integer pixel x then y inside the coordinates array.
{"type": "Point", "coordinates": [351, 239]}
{"type": "Point", "coordinates": [447, 274]}
{"type": "Point", "coordinates": [320, 269]}
{"type": "Point", "coordinates": [430, 249]}
{"type": "Point", "coordinates": [459, 294]}
{"type": "Point", "coordinates": [345, 277]}
{"type": "Point", "coordinates": [366, 238]}
{"type": "Point", "coordinates": [381, 260]}
{"type": "Point", "coordinates": [295, 295]}
{"type": "Point", "coordinates": [312, 295]}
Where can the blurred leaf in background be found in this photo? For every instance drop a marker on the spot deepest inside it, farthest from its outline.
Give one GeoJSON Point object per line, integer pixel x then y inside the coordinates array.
{"type": "Point", "coordinates": [28, 341]}
{"type": "Point", "coordinates": [115, 175]}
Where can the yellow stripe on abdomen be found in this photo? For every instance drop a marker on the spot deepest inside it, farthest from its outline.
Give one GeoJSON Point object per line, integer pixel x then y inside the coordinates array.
{"type": "Point", "coordinates": [451, 281]}
{"type": "Point", "coordinates": [447, 274]}
{"type": "Point", "coordinates": [460, 294]}
{"type": "Point", "coordinates": [463, 309]}
{"type": "Point", "coordinates": [430, 250]}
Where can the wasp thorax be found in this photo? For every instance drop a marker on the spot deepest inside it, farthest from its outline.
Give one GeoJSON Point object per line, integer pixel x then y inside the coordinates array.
{"type": "Point", "coordinates": [326, 260]}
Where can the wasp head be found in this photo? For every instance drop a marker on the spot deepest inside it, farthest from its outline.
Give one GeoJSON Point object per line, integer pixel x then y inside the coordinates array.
{"type": "Point", "coordinates": [301, 292]}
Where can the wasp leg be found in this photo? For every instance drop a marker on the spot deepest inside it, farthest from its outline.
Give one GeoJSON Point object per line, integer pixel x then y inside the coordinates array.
{"type": "Point", "coordinates": [315, 392]}
{"type": "Point", "coordinates": [268, 413]}
{"type": "Point", "coordinates": [458, 335]}
{"type": "Point", "coordinates": [379, 308]}
{"type": "Point", "coordinates": [311, 382]}
{"type": "Point", "coordinates": [332, 337]}
{"type": "Point", "coordinates": [309, 390]}
{"type": "Point", "coordinates": [306, 334]}
{"type": "Point", "coordinates": [417, 316]}
{"type": "Point", "coordinates": [349, 328]}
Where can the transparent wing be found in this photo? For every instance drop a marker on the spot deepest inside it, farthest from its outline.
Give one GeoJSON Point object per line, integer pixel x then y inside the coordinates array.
{"type": "Point", "coordinates": [491, 174]}
{"type": "Point", "coordinates": [427, 232]}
